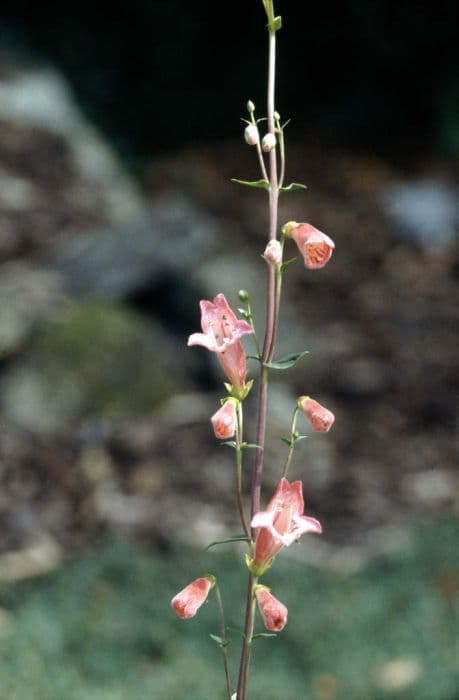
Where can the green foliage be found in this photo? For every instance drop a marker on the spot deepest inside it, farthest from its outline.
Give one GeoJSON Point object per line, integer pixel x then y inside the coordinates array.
{"type": "Point", "coordinates": [102, 628]}
{"type": "Point", "coordinates": [287, 361]}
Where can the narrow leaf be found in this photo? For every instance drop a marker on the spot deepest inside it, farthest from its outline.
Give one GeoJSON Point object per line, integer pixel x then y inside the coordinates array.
{"type": "Point", "coordinates": [229, 540]}
{"type": "Point", "coordinates": [217, 639]}
{"type": "Point", "coordinates": [301, 437]}
{"type": "Point", "coordinates": [287, 441]}
{"type": "Point", "coordinates": [287, 361]}
{"type": "Point", "coordinates": [261, 184]}
{"type": "Point", "coordinates": [230, 443]}
{"type": "Point", "coordinates": [287, 264]}
{"type": "Point", "coordinates": [276, 24]}
{"type": "Point", "coordinates": [249, 446]}
{"type": "Point", "coordinates": [264, 634]}
{"type": "Point", "coordinates": [253, 357]}
{"type": "Point", "coordinates": [293, 186]}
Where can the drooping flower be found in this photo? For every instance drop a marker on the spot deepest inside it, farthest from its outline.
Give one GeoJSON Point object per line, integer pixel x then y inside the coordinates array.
{"type": "Point", "coordinates": [273, 252]}
{"type": "Point", "coordinates": [273, 612]}
{"type": "Point", "coordinates": [221, 334]}
{"type": "Point", "coordinates": [280, 524]}
{"type": "Point", "coordinates": [188, 601]}
{"type": "Point", "coordinates": [315, 247]}
{"type": "Point", "coordinates": [224, 421]}
{"type": "Point", "coordinates": [321, 418]}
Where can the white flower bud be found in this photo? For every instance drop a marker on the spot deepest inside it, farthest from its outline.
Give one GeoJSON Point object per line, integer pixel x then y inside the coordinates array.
{"type": "Point", "coordinates": [251, 135]}
{"type": "Point", "coordinates": [250, 106]}
{"type": "Point", "coordinates": [268, 143]}
{"type": "Point", "coordinates": [273, 252]}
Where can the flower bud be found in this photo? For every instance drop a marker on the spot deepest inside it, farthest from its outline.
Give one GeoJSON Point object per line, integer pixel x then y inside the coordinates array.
{"type": "Point", "coordinates": [273, 252]}
{"type": "Point", "coordinates": [273, 612]}
{"type": "Point", "coordinates": [250, 107]}
{"type": "Point", "coordinates": [187, 603]}
{"type": "Point", "coordinates": [268, 143]}
{"type": "Point", "coordinates": [288, 227]}
{"type": "Point", "coordinates": [243, 295]}
{"type": "Point", "coordinates": [251, 135]}
{"type": "Point", "coordinates": [321, 418]}
{"type": "Point", "coordinates": [224, 421]}
{"type": "Point", "coordinates": [276, 116]}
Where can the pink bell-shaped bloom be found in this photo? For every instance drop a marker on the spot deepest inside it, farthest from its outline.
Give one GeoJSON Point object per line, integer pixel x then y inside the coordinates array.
{"type": "Point", "coordinates": [321, 418]}
{"type": "Point", "coordinates": [224, 421]}
{"type": "Point", "coordinates": [187, 603]}
{"type": "Point", "coordinates": [315, 247]}
{"type": "Point", "coordinates": [273, 252]}
{"type": "Point", "coordinates": [280, 524]}
{"type": "Point", "coordinates": [273, 612]}
{"type": "Point", "coordinates": [221, 333]}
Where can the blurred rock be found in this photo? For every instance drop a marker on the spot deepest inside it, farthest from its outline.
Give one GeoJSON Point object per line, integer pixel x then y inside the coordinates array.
{"type": "Point", "coordinates": [41, 98]}
{"type": "Point", "coordinates": [173, 236]}
{"type": "Point", "coordinates": [91, 360]}
{"type": "Point", "coordinates": [39, 558]}
{"type": "Point", "coordinates": [398, 674]}
{"type": "Point", "coordinates": [424, 211]}
{"type": "Point", "coordinates": [28, 295]}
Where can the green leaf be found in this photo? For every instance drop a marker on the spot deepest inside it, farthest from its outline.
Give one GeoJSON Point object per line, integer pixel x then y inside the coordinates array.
{"type": "Point", "coordinates": [221, 642]}
{"type": "Point", "coordinates": [229, 540]}
{"type": "Point", "coordinates": [287, 441]}
{"type": "Point", "coordinates": [264, 634]}
{"type": "Point", "coordinates": [249, 446]}
{"type": "Point", "coordinates": [287, 361]}
{"type": "Point", "coordinates": [261, 184]}
{"type": "Point", "coordinates": [292, 187]}
{"type": "Point", "coordinates": [230, 443]}
{"type": "Point", "coordinates": [253, 357]}
{"type": "Point", "coordinates": [301, 437]}
{"type": "Point", "coordinates": [276, 24]}
{"type": "Point", "coordinates": [287, 264]}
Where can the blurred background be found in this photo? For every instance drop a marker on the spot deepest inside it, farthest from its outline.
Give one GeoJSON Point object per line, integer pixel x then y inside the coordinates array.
{"type": "Point", "coordinates": [119, 132]}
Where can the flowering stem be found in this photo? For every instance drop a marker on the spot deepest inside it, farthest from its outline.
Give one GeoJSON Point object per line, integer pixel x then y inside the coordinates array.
{"type": "Point", "coordinates": [266, 356]}
{"type": "Point", "coordinates": [293, 439]}
{"type": "Point", "coordinates": [248, 636]}
{"type": "Point", "coordinates": [224, 642]}
{"type": "Point", "coordinates": [261, 160]}
{"type": "Point", "coordinates": [280, 132]}
{"type": "Point", "coordinates": [249, 318]}
{"type": "Point", "coordinates": [239, 434]}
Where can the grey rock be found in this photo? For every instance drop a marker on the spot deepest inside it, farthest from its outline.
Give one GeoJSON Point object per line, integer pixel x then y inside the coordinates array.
{"type": "Point", "coordinates": [424, 211]}
{"type": "Point", "coordinates": [92, 361]}
{"type": "Point", "coordinates": [27, 296]}
{"type": "Point", "coordinates": [172, 236]}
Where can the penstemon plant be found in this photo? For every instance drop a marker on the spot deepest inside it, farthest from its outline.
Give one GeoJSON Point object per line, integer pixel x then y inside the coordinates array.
{"type": "Point", "coordinates": [282, 522]}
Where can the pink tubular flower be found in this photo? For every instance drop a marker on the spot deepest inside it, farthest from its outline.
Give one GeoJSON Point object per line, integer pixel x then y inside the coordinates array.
{"type": "Point", "coordinates": [280, 524]}
{"type": "Point", "coordinates": [187, 603]}
{"type": "Point", "coordinates": [221, 333]}
{"type": "Point", "coordinates": [273, 252]}
{"type": "Point", "coordinates": [273, 612]}
{"type": "Point", "coordinates": [321, 418]}
{"type": "Point", "coordinates": [224, 421]}
{"type": "Point", "coordinates": [315, 247]}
